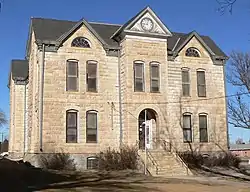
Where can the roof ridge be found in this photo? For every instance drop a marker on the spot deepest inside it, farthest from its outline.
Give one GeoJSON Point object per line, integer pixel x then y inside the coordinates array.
{"type": "Point", "coordinates": [101, 23]}
{"type": "Point", "coordinates": [53, 19]}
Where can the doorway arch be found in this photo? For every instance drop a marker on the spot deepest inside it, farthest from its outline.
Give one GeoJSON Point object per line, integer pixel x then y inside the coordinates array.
{"type": "Point", "coordinates": [151, 118]}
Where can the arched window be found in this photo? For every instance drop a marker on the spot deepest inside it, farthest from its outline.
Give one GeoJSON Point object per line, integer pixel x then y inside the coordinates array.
{"type": "Point", "coordinates": [192, 52]}
{"type": "Point", "coordinates": [203, 127]}
{"type": "Point", "coordinates": [91, 126]}
{"type": "Point", "coordinates": [154, 77]}
{"type": "Point", "coordinates": [71, 126]}
{"type": "Point", "coordinates": [80, 42]}
{"type": "Point", "coordinates": [139, 76]}
{"type": "Point", "coordinates": [72, 75]}
{"type": "Point", "coordinates": [187, 127]}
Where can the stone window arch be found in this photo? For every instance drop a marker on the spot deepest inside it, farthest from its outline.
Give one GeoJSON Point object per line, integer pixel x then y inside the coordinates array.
{"type": "Point", "coordinates": [192, 52]}
{"type": "Point", "coordinates": [80, 42]}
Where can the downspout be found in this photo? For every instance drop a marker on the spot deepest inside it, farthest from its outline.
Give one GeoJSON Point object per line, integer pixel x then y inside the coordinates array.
{"type": "Point", "coordinates": [41, 98]}
{"type": "Point", "coordinates": [24, 123]}
{"type": "Point", "coordinates": [120, 96]}
{"type": "Point", "coordinates": [225, 89]}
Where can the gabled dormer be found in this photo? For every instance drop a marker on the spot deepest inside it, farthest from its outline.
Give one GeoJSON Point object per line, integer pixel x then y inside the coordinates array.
{"type": "Point", "coordinates": [146, 23]}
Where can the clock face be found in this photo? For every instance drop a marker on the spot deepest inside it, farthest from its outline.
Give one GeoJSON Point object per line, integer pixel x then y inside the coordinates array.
{"type": "Point", "coordinates": [147, 24]}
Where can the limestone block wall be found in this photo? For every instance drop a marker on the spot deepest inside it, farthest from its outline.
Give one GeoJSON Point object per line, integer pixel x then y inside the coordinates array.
{"type": "Point", "coordinates": [213, 104]}
{"type": "Point", "coordinates": [146, 50]}
{"type": "Point", "coordinates": [32, 100]}
{"type": "Point", "coordinates": [16, 144]}
{"type": "Point", "coordinates": [57, 100]}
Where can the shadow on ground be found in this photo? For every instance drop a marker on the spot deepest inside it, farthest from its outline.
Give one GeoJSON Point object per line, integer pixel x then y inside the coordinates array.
{"type": "Point", "coordinates": [16, 176]}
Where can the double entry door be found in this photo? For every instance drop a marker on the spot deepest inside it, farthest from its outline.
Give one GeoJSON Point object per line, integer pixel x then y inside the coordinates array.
{"type": "Point", "coordinates": [145, 134]}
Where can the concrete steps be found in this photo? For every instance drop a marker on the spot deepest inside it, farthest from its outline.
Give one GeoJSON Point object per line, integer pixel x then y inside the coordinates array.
{"type": "Point", "coordinates": [163, 163]}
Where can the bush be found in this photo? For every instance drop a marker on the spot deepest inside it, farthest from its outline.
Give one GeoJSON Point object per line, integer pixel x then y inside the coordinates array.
{"type": "Point", "coordinates": [57, 161]}
{"type": "Point", "coordinates": [126, 158]}
{"type": "Point", "coordinates": [196, 159]}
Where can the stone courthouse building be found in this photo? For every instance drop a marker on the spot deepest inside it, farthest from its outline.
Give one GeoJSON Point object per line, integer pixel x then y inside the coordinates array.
{"type": "Point", "coordinates": [85, 86]}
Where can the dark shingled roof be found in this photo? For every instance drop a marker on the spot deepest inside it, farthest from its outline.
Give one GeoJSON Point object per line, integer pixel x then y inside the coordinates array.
{"type": "Point", "coordinates": [52, 29]}
{"type": "Point", "coordinates": [19, 69]}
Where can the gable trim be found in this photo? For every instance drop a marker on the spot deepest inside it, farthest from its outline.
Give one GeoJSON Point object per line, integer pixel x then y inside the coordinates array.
{"type": "Point", "coordinates": [75, 27]}
{"type": "Point", "coordinates": [132, 21]}
{"type": "Point", "coordinates": [194, 34]}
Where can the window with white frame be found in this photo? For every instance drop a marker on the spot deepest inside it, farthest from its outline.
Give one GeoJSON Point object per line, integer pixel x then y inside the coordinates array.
{"type": "Point", "coordinates": [192, 52]}
{"type": "Point", "coordinates": [138, 76]}
{"type": "Point", "coordinates": [187, 128]}
{"type": "Point", "coordinates": [80, 42]}
{"type": "Point", "coordinates": [91, 127]}
{"type": "Point", "coordinates": [185, 82]}
{"type": "Point", "coordinates": [92, 163]}
{"type": "Point", "coordinates": [154, 77]}
{"type": "Point", "coordinates": [201, 83]}
{"type": "Point", "coordinates": [72, 75]}
{"type": "Point", "coordinates": [91, 74]}
{"type": "Point", "coordinates": [71, 126]}
{"type": "Point", "coordinates": [203, 128]}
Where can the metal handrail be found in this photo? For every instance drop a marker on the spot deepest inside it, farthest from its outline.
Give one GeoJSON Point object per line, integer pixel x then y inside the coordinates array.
{"type": "Point", "coordinates": [154, 162]}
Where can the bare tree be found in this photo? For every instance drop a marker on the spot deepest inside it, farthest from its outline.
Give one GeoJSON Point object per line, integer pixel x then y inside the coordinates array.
{"type": "Point", "coordinates": [3, 119]}
{"type": "Point", "coordinates": [226, 5]}
{"type": "Point", "coordinates": [239, 76]}
{"type": "Point", "coordinates": [239, 141]}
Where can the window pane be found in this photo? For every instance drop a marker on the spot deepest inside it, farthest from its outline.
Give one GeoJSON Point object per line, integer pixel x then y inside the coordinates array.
{"type": "Point", "coordinates": [201, 90]}
{"type": "Point", "coordinates": [92, 84]}
{"type": "Point", "coordinates": [186, 121]}
{"type": "Point", "coordinates": [187, 135]}
{"type": "Point", "coordinates": [91, 138]}
{"type": "Point", "coordinates": [71, 119]}
{"type": "Point", "coordinates": [139, 70]}
{"type": "Point", "coordinates": [201, 77]}
{"type": "Point", "coordinates": [92, 163]}
{"type": "Point", "coordinates": [91, 131]}
{"type": "Point", "coordinates": [185, 90]}
{"type": "Point", "coordinates": [91, 120]}
{"type": "Point", "coordinates": [185, 76]}
{"type": "Point", "coordinates": [203, 121]}
{"type": "Point", "coordinates": [72, 83]}
{"type": "Point", "coordinates": [71, 139]}
{"type": "Point", "coordinates": [203, 135]}
{"type": "Point", "coordinates": [91, 69]}
{"type": "Point", "coordinates": [71, 132]}
{"type": "Point", "coordinates": [138, 85]}
{"type": "Point", "coordinates": [154, 71]}
{"type": "Point", "coordinates": [154, 85]}
{"type": "Point", "coordinates": [72, 68]}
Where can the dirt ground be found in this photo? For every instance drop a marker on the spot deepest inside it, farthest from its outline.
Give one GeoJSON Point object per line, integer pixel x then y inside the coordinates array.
{"type": "Point", "coordinates": [19, 177]}
{"type": "Point", "coordinates": [141, 183]}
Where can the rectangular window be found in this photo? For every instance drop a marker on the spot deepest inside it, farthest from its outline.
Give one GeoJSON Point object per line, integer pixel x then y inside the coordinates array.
{"type": "Point", "coordinates": [91, 76]}
{"type": "Point", "coordinates": [92, 163]}
{"type": "Point", "coordinates": [71, 127]}
{"type": "Point", "coordinates": [72, 76]}
{"type": "Point", "coordinates": [138, 77]}
{"type": "Point", "coordinates": [91, 130]}
{"type": "Point", "coordinates": [154, 78]}
{"type": "Point", "coordinates": [201, 84]}
{"type": "Point", "coordinates": [187, 128]}
{"type": "Point", "coordinates": [185, 83]}
{"type": "Point", "coordinates": [203, 128]}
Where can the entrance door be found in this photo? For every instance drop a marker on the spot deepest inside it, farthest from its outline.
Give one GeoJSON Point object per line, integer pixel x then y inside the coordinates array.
{"type": "Point", "coordinates": [148, 131]}
{"type": "Point", "coordinates": [145, 134]}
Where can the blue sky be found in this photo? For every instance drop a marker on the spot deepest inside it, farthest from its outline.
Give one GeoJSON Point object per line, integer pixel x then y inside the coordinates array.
{"type": "Point", "coordinates": [230, 32]}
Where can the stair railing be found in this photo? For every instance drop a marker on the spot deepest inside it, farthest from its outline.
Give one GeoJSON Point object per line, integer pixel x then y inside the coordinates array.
{"type": "Point", "coordinates": [153, 161]}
